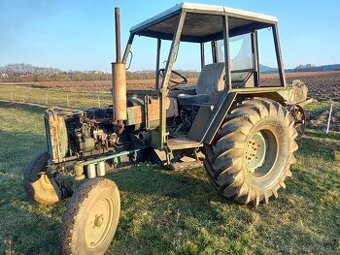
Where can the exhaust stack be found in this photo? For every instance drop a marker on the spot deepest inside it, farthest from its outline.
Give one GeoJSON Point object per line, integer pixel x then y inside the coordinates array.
{"type": "Point", "coordinates": [118, 77]}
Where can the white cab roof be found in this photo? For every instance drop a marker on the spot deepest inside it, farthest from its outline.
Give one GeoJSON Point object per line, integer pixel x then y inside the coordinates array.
{"type": "Point", "coordinates": [206, 9]}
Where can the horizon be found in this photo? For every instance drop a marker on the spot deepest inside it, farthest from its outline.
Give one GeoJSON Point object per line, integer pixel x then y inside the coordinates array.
{"type": "Point", "coordinates": [299, 67]}
{"type": "Point", "coordinates": [40, 34]}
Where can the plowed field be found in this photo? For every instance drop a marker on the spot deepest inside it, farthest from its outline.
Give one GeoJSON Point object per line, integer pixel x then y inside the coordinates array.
{"type": "Point", "coordinates": [322, 86]}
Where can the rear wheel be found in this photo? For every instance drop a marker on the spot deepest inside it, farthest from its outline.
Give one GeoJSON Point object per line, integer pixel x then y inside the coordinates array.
{"type": "Point", "coordinates": [91, 218]}
{"type": "Point", "coordinates": [251, 155]}
{"type": "Point", "coordinates": [37, 184]}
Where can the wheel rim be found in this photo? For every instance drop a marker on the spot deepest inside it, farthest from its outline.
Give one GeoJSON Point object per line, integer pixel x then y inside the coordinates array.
{"type": "Point", "coordinates": [261, 153]}
{"type": "Point", "coordinates": [99, 222]}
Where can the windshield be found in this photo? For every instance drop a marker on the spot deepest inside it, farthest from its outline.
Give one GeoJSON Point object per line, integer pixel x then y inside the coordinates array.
{"type": "Point", "coordinates": [241, 54]}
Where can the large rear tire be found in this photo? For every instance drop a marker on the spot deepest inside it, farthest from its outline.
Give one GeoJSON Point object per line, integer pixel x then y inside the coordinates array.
{"type": "Point", "coordinates": [91, 218]}
{"type": "Point", "coordinates": [38, 186]}
{"type": "Point", "coordinates": [251, 155]}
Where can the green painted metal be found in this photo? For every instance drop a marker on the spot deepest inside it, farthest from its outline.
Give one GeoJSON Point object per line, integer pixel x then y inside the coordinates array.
{"type": "Point", "coordinates": [164, 88]}
{"type": "Point", "coordinates": [131, 116]}
{"type": "Point", "coordinates": [259, 90]}
{"type": "Point", "coordinates": [261, 153]}
{"type": "Point", "coordinates": [228, 83]}
{"type": "Point", "coordinates": [219, 114]}
{"type": "Point", "coordinates": [155, 139]}
{"type": "Point", "coordinates": [112, 156]}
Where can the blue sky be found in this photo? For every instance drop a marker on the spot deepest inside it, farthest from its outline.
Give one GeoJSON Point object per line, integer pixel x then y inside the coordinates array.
{"type": "Point", "coordinates": [79, 35]}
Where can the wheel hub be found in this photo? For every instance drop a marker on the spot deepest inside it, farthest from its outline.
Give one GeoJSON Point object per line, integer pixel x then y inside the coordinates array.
{"type": "Point", "coordinates": [255, 152]}
{"type": "Point", "coordinates": [98, 223]}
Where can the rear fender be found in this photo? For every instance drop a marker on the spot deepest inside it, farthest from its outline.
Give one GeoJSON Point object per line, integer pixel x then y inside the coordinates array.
{"type": "Point", "coordinates": [207, 124]}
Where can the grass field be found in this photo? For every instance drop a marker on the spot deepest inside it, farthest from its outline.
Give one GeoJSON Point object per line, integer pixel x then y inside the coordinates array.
{"type": "Point", "coordinates": [166, 212]}
{"type": "Point", "coordinates": [50, 97]}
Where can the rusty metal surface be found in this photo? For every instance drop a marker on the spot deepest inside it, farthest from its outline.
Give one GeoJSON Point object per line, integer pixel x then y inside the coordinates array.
{"type": "Point", "coordinates": [149, 113]}
{"type": "Point", "coordinates": [119, 91]}
{"type": "Point", "coordinates": [153, 109]}
{"type": "Point", "coordinates": [118, 77]}
{"type": "Point", "coordinates": [56, 133]}
{"type": "Point", "coordinates": [117, 32]}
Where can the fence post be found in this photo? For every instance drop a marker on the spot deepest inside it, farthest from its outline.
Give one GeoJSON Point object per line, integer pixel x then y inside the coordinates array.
{"type": "Point", "coordinates": [68, 103]}
{"type": "Point", "coordinates": [12, 97]}
{"type": "Point", "coordinates": [98, 100]}
{"type": "Point", "coordinates": [47, 99]}
{"type": "Point", "coordinates": [329, 118]}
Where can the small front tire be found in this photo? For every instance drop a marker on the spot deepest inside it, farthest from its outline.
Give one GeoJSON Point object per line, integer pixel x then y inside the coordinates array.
{"type": "Point", "coordinates": [91, 218]}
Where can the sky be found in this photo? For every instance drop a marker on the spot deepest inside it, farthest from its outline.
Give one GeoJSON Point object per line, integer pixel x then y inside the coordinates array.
{"type": "Point", "coordinates": [79, 35]}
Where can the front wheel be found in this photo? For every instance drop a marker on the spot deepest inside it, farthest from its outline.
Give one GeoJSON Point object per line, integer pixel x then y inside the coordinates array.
{"type": "Point", "coordinates": [91, 218]}
{"type": "Point", "coordinates": [251, 155]}
{"type": "Point", "coordinates": [37, 184]}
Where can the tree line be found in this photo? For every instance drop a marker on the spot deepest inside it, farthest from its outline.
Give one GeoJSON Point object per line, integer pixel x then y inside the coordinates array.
{"type": "Point", "coordinates": [80, 76]}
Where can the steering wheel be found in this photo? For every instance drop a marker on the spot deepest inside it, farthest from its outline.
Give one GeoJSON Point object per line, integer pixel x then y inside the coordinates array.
{"type": "Point", "coordinates": [183, 80]}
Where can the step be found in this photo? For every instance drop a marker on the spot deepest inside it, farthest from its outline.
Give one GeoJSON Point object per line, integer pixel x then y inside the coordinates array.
{"type": "Point", "coordinates": [182, 143]}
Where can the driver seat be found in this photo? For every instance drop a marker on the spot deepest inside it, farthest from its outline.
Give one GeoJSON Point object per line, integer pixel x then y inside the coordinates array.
{"type": "Point", "coordinates": [210, 81]}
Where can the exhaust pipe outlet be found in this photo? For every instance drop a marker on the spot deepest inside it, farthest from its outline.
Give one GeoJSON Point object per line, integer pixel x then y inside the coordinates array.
{"type": "Point", "coordinates": [118, 77]}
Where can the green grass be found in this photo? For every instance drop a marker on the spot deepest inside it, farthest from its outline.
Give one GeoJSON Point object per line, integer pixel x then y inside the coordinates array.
{"type": "Point", "coordinates": [320, 106]}
{"type": "Point", "coordinates": [166, 212]}
{"type": "Point", "coordinates": [49, 97]}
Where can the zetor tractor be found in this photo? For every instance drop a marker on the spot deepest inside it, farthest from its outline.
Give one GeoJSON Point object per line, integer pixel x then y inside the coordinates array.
{"type": "Point", "coordinates": [243, 131]}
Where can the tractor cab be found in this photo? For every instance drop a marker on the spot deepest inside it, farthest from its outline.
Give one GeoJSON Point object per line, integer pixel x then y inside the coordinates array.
{"type": "Point", "coordinates": [232, 35]}
{"type": "Point", "coordinates": [226, 36]}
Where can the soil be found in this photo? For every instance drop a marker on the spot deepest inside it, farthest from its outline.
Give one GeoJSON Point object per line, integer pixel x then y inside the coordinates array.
{"type": "Point", "coordinates": [322, 86]}
{"type": "Point", "coordinates": [319, 119]}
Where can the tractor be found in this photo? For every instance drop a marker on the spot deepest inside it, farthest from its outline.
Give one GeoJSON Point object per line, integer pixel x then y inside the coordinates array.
{"type": "Point", "coordinates": [242, 130]}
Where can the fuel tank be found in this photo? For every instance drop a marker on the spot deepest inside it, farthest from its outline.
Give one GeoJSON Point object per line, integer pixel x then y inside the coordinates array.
{"type": "Point", "coordinates": [143, 112]}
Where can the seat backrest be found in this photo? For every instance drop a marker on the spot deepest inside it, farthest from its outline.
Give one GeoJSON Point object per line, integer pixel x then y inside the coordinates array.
{"type": "Point", "coordinates": [211, 79]}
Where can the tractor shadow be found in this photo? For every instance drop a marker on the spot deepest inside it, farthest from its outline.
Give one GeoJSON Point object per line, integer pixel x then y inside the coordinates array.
{"type": "Point", "coordinates": [171, 209]}
{"type": "Point", "coordinates": [159, 182]}
{"type": "Point", "coordinates": [22, 107]}
{"type": "Point", "coordinates": [25, 227]}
